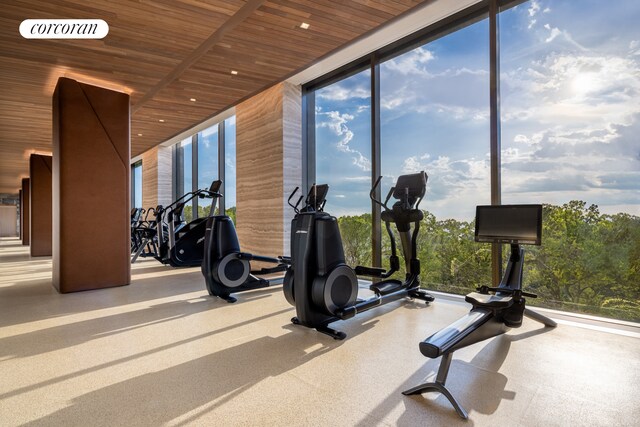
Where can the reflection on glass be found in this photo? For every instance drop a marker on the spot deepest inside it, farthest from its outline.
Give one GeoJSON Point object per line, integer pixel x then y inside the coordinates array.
{"type": "Point", "coordinates": [137, 185]}
{"type": "Point", "coordinates": [570, 123]}
{"type": "Point", "coordinates": [207, 164]}
{"type": "Point", "coordinates": [186, 154]}
{"type": "Point", "coordinates": [230, 166]}
{"type": "Point", "coordinates": [434, 117]}
{"type": "Point", "coordinates": [343, 160]}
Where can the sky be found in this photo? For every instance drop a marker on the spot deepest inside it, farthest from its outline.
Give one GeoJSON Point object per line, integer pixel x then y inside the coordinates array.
{"type": "Point", "coordinates": [570, 114]}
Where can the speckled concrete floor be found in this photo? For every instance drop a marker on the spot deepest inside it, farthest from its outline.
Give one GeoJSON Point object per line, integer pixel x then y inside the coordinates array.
{"type": "Point", "coordinates": [162, 352]}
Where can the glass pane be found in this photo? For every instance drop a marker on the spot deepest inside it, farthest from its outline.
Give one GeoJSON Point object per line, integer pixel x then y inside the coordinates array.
{"type": "Point", "coordinates": [137, 185]}
{"type": "Point", "coordinates": [570, 123]}
{"type": "Point", "coordinates": [207, 165]}
{"type": "Point", "coordinates": [185, 148]}
{"type": "Point", "coordinates": [343, 160]}
{"type": "Point", "coordinates": [230, 167]}
{"type": "Point", "coordinates": [435, 118]}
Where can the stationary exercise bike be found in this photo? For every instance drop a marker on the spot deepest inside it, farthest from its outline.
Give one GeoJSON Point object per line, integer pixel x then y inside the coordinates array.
{"type": "Point", "coordinates": [226, 269]}
{"type": "Point", "coordinates": [320, 284]}
{"type": "Point", "coordinates": [495, 310]}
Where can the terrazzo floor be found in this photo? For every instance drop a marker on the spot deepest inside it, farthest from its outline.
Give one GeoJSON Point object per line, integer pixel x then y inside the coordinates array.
{"type": "Point", "coordinates": [161, 352]}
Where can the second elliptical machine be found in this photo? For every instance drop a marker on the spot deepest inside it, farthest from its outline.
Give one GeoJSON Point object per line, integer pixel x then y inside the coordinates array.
{"type": "Point", "coordinates": [226, 269]}
{"type": "Point", "coordinates": [324, 289]}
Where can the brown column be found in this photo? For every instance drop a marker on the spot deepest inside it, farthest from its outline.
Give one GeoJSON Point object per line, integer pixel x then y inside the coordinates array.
{"type": "Point", "coordinates": [24, 212]}
{"type": "Point", "coordinates": [91, 194]}
{"type": "Point", "coordinates": [40, 206]}
{"type": "Point", "coordinates": [268, 167]}
{"type": "Point", "coordinates": [20, 232]}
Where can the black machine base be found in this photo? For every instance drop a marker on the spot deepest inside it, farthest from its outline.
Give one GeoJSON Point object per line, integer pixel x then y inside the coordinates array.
{"type": "Point", "coordinates": [421, 294]}
{"type": "Point", "coordinates": [336, 335]}
{"type": "Point", "coordinates": [252, 283]}
{"type": "Point", "coordinates": [439, 386]}
{"type": "Point", "coordinates": [443, 370]}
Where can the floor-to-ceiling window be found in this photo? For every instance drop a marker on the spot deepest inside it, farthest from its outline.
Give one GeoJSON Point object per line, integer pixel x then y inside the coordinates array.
{"type": "Point", "coordinates": [567, 108]}
{"type": "Point", "coordinates": [185, 174]}
{"type": "Point", "coordinates": [570, 92]}
{"type": "Point", "coordinates": [343, 159]}
{"type": "Point", "coordinates": [136, 185]}
{"type": "Point", "coordinates": [434, 117]}
{"type": "Point", "coordinates": [199, 161]}
{"type": "Point", "coordinates": [207, 164]}
{"type": "Point", "coordinates": [230, 166]}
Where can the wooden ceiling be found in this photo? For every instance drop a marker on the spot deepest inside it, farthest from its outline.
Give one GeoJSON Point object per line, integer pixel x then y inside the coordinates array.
{"type": "Point", "coordinates": [164, 52]}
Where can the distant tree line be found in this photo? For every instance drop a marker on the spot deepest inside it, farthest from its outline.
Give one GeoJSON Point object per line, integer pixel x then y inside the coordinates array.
{"type": "Point", "coordinates": [203, 211]}
{"type": "Point", "coordinates": [588, 262]}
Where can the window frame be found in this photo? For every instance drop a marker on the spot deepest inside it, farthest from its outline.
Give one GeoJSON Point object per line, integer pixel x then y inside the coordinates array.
{"type": "Point", "coordinates": [466, 17]}
{"type": "Point", "coordinates": [178, 168]}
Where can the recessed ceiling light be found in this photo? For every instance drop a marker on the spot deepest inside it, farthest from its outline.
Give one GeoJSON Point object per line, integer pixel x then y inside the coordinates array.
{"type": "Point", "coordinates": [304, 26]}
{"type": "Point", "coordinates": [192, 100]}
{"type": "Point", "coordinates": [139, 134]}
{"type": "Point", "coordinates": [234, 72]}
{"type": "Point", "coordinates": [161, 120]}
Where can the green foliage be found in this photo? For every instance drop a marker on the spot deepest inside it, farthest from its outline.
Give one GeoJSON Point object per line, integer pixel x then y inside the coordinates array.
{"type": "Point", "coordinates": [356, 238]}
{"type": "Point", "coordinates": [187, 213]}
{"type": "Point", "coordinates": [588, 262]}
{"type": "Point", "coordinates": [203, 211]}
{"type": "Point", "coordinates": [231, 213]}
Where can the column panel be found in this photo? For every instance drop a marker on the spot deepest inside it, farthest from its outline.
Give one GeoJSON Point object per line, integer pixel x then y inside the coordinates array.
{"type": "Point", "coordinates": [292, 153]}
{"type": "Point", "coordinates": [259, 173]}
{"type": "Point", "coordinates": [156, 177]}
{"type": "Point", "coordinates": [24, 212]}
{"type": "Point", "coordinates": [91, 181]}
{"type": "Point", "coordinates": [40, 206]}
{"type": "Point", "coordinates": [268, 167]}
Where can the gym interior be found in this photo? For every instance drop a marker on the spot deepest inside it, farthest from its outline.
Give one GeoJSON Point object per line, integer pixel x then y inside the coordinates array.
{"type": "Point", "coordinates": [312, 213]}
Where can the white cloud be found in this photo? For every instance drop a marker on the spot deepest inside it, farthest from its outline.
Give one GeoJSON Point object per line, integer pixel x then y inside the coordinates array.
{"type": "Point", "coordinates": [338, 124]}
{"type": "Point", "coordinates": [338, 92]}
{"type": "Point", "coordinates": [451, 181]}
{"type": "Point", "coordinates": [533, 9]}
{"type": "Point", "coordinates": [413, 62]}
{"type": "Point", "coordinates": [553, 33]}
{"type": "Point", "coordinates": [576, 91]}
{"type": "Point", "coordinates": [411, 165]}
{"type": "Point", "coordinates": [357, 178]}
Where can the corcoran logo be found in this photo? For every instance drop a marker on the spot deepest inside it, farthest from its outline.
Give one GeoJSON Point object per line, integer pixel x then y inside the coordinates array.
{"type": "Point", "coordinates": [64, 29]}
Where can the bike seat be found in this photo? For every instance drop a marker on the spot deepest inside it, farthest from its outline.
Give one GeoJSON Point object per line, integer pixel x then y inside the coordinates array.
{"type": "Point", "coordinates": [386, 287]}
{"type": "Point", "coordinates": [489, 300]}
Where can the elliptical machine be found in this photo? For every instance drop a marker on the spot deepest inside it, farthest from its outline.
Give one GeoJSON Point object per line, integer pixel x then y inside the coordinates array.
{"type": "Point", "coordinates": [226, 269]}
{"type": "Point", "coordinates": [181, 244]}
{"type": "Point", "coordinates": [324, 289]}
{"type": "Point", "coordinates": [495, 310]}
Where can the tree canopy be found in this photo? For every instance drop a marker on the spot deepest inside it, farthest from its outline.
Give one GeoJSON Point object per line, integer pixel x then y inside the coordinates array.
{"type": "Point", "coordinates": [588, 262]}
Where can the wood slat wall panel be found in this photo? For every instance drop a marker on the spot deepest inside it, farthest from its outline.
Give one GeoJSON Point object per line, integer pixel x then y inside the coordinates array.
{"type": "Point", "coordinates": [150, 38]}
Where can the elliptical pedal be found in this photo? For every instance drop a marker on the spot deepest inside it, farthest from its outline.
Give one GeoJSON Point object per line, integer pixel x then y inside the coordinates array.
{"type": "Point", "coordinates": [421, 294]}
{"type": "Point", "coordinates": [387, 287]}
